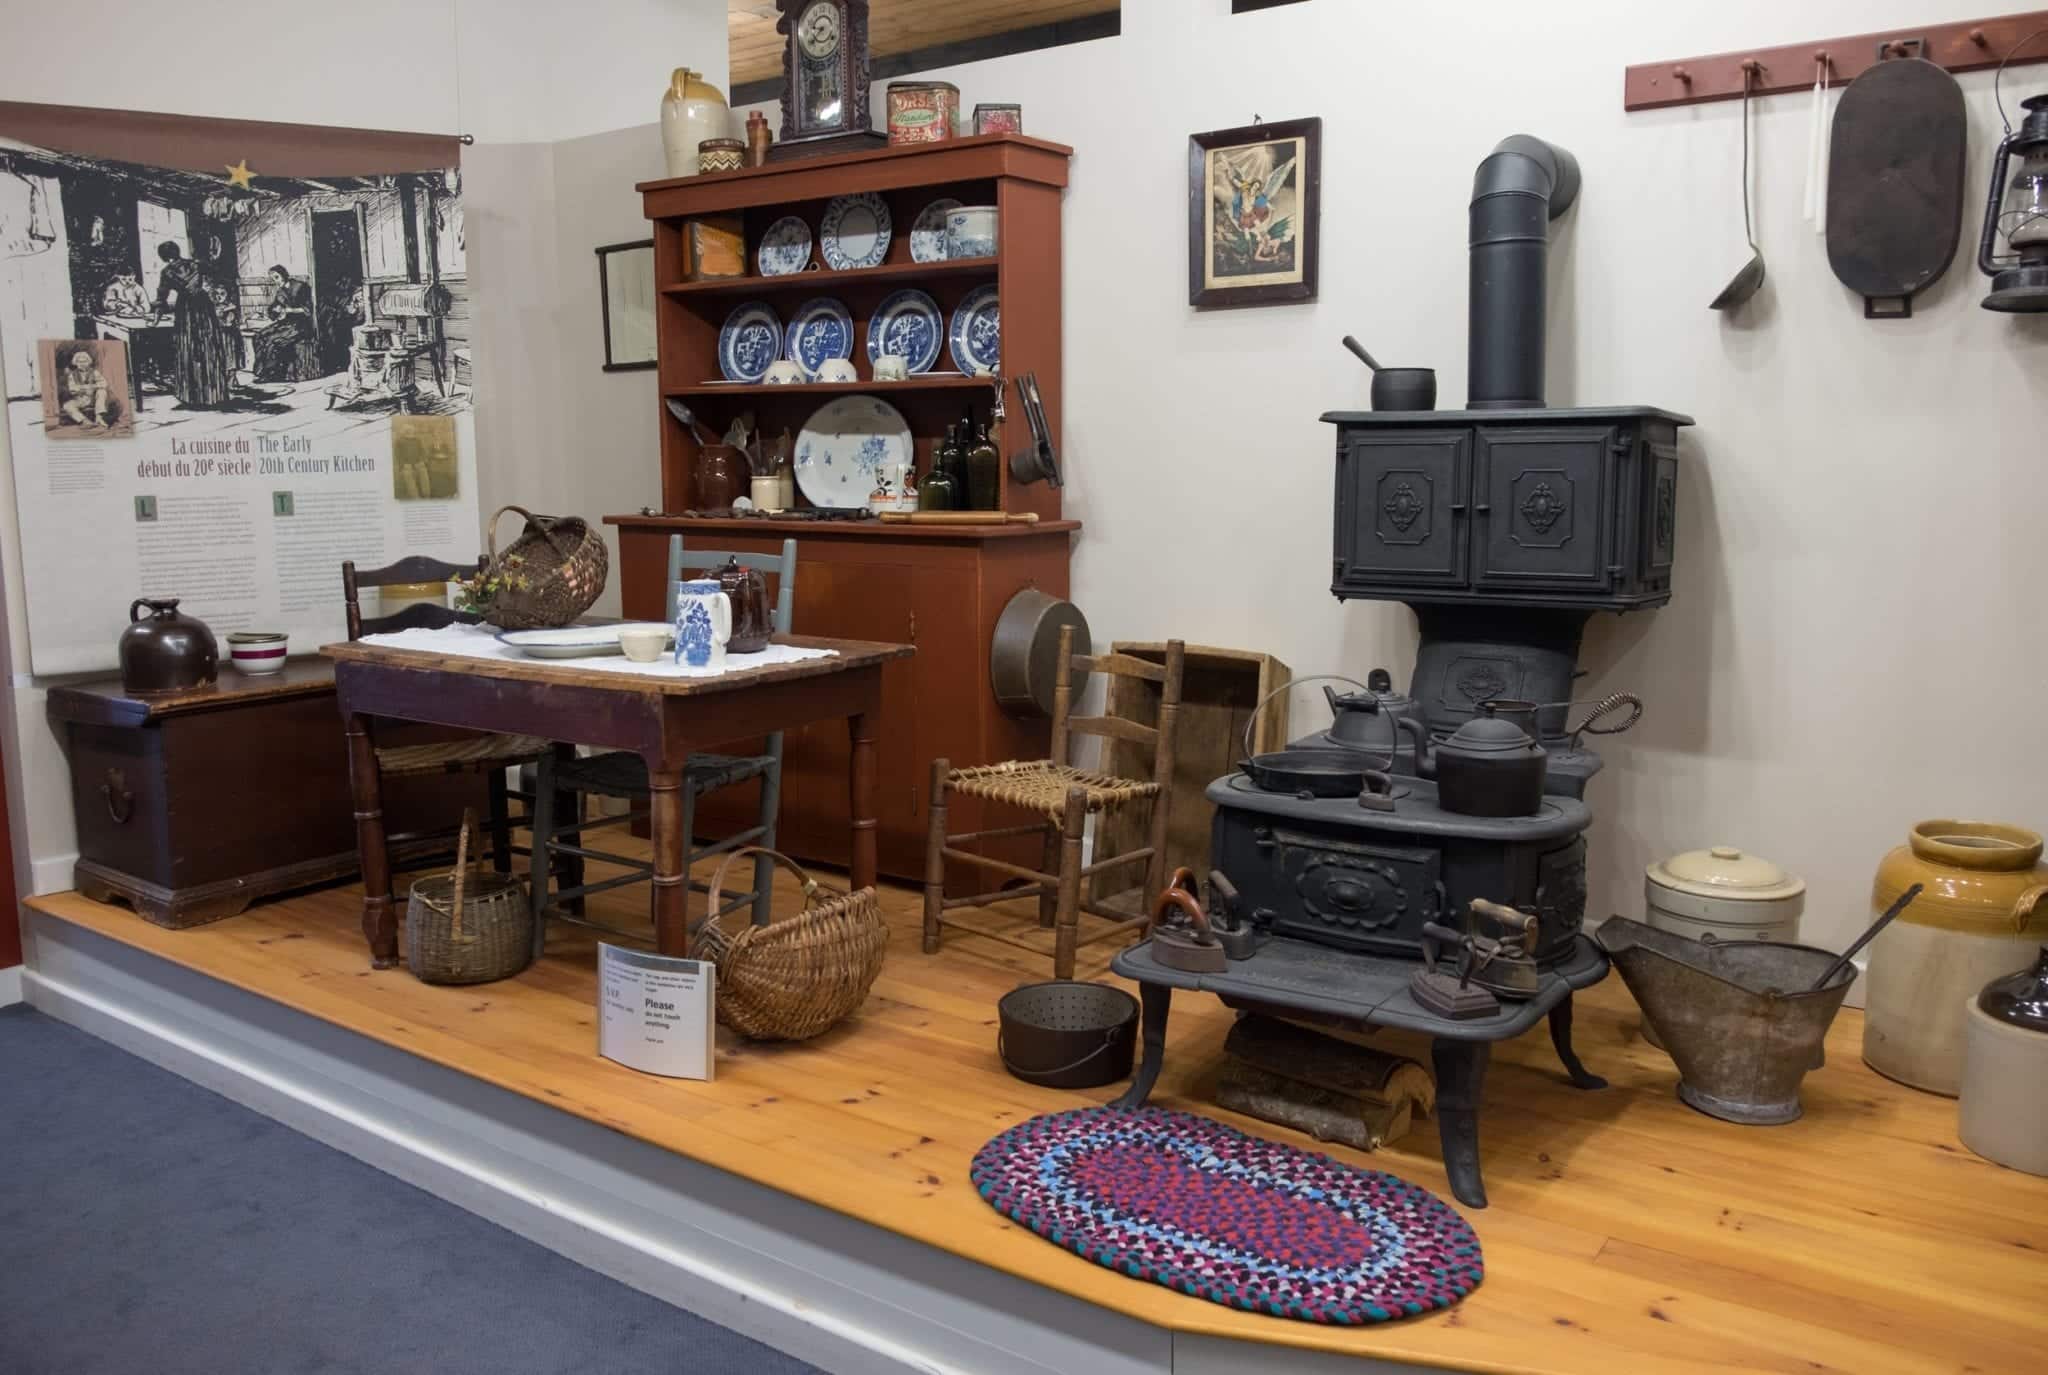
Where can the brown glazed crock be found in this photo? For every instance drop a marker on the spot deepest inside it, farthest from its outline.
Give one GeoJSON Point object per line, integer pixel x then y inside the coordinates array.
{"type": "Point", "coordinates": [166, 652]}
{"type": "Point", "coordinates": [752, 621]}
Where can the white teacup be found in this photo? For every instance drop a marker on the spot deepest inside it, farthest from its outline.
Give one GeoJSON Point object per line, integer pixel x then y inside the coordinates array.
{"type": "Point", "coordinates": [643, 644]}
{"type": "Point", "coordinates": [837, 370]}
{"type": "Point", "coordinates": [783, 372]}
{"type": "Point", "coordinates": [892, 367]}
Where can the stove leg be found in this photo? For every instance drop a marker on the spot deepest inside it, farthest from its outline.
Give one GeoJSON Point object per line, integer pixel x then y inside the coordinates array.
{"type": "Point", "coordinates": [1157, 1001]}
{"type": "Point", "coordinates": [1460, 1080]}
{"type": "Point", "coordinates": [1561, 1037]}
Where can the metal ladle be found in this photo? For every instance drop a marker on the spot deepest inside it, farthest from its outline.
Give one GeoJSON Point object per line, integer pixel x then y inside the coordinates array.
{"type": "Point", "coordinates": [1745, 283]}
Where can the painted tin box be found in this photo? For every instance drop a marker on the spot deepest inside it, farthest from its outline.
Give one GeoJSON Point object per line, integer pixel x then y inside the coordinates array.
{"type": "Point", "coordinates": [922, 111]}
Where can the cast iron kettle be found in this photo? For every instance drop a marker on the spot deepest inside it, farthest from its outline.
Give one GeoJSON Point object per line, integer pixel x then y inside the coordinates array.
{"type": "Point", "coordinates": [752, 622]}
{"type": "Point", "coordinates": [166, 652]}
{"type": "Point", "coordinates": [1366, 720]}
{"type": "Point", "coordinates": [1488, 767]}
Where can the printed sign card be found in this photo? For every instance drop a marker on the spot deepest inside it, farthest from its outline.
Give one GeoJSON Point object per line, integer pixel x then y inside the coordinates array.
{"type": "Point", "coordinates": [655, 1012]}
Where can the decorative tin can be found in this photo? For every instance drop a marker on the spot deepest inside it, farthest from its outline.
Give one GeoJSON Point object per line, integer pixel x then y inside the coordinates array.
{"type": "Point", "coordinates": [999, 119]}
{"type": "Point", "coordinates": [721, 155]}
{"type": "Point", "coordinates": [922, 111]}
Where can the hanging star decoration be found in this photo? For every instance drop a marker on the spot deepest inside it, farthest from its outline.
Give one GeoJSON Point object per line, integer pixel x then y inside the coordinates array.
{"type": "Point", "coordinates": [239, 174]}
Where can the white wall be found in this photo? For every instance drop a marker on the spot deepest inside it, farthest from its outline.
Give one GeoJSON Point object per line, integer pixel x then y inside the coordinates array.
{"type": "Point", "coordinates": [1851, 644]}
{"type": "Point", "coordinates": [517, 74]}
{"type": "Point", "coordinates": [1860, 505]}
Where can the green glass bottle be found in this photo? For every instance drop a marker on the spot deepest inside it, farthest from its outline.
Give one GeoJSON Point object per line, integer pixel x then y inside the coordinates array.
{"type": "Point", "coordinates": [984, 472]}
{"type": "Point", "coordinates": [936, 491]}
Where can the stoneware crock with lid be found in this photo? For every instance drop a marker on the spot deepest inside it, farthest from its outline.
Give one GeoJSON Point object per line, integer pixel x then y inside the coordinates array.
{"type": "Point", "coordinates": [1977, 918]}
{"type": "Point", "coordinates": [2003, 1115]}
{"type": "Point", "coordinates": [1721, 894]}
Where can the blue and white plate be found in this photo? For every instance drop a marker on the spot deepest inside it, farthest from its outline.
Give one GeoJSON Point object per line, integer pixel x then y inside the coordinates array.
{"type": "Point", "coordinates": [838, 450]}
{"type": "Point", "coordinates": [855, 232]}
{"type": "Point", "coordinates": [908, 324]}
{"type": "Point", "coordinates": [977, 334]}
{"type": "Point", "coordinates": [750, 340]}
{"type": "Point", "coordinates": [928, 232]}
{"type": "Point", "coordinates": [821, 328]}
{"type": "Point", "coordinates": [785, 248]}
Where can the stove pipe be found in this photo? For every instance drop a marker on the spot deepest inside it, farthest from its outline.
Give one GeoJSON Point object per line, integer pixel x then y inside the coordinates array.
{"type": "Point", "coordinates": [1523, 184]}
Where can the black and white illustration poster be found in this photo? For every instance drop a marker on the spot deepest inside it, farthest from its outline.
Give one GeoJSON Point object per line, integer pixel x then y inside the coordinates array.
{"type": "Point", "coordinates": [203, 370]}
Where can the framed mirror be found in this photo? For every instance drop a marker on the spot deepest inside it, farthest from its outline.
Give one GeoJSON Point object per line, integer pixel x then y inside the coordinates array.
{"type": "Point", "coordinates": [625, 290]}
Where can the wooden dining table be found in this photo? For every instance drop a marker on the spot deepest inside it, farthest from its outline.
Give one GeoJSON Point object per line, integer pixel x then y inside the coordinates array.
{"type": "Point", "coordinates": [662, 719]}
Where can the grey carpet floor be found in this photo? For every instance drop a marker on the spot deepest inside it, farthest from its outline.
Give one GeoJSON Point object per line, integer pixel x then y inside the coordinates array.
{"type": "Point", "coordinates": [148, 1225]}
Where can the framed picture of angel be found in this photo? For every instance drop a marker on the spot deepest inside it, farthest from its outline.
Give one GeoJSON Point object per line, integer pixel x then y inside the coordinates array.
{"type": "Point", "coordinates": [1254, 198]}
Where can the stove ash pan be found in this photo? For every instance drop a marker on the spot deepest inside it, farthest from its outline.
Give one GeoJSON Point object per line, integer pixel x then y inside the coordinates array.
{"type": "Point", "coordinates": [1327, 871]}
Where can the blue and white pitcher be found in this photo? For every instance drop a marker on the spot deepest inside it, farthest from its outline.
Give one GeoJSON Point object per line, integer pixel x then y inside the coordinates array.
{"type": "Point", "coordinates": [703, 623]}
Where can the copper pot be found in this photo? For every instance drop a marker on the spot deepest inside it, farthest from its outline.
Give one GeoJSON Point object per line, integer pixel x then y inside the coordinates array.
{"type": "Point", "coordinates": [752, 619]}
{"type": "Point", "coordinates": [166, 652]}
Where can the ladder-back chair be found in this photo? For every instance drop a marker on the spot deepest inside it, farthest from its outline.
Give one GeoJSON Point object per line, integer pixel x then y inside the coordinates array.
{"type": "Point", "coordinates": [622, 774]}
{"type": "Point", "coordinates": [1063, 797]}
{"type": "Point", "coordinates": [489, 755]}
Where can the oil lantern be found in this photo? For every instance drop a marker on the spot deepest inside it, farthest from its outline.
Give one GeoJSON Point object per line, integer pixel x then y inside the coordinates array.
{"type": "Point", "coordinates": [2013, 251]}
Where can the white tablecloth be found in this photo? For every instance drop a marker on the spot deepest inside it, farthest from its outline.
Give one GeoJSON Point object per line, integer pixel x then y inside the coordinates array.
{"type": "Point", "coordinates": [481, 642]}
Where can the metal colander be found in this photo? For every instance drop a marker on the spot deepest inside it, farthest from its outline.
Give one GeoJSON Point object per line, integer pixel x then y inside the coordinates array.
{"type": "Point", "coordinates": [1066, 1034]}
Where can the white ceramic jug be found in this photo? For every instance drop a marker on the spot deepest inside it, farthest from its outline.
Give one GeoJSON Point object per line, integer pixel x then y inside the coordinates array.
{"type": "Point", "coordinates": [692, 110]}
{"type": "Point", "coordinates": [703, 624]}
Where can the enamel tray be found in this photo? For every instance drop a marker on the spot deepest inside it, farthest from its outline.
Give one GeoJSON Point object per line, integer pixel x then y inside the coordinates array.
{"type": "Point", "coordinates": [908, 323]}
{"type": "Point", "coordinates": [821, 328]}
{"type": "Point", "coordinates": [841, 445]}
{"type": "Point", "coordinates": [977, 334]}
{"type": "Point", "coordinates": [575, 641]}
{"type": "Point", "coordinates": [855, 232]}
{"type": "Point", "coordinates": [750, 340]}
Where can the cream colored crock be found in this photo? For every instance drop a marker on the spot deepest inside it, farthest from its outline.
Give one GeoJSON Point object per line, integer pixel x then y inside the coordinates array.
{"type": "Point", "coordinates": [2003, 1115]}
{"type": "Point", "coordinates": [1721, 894]}
{"type": "Point", "coordinates": [1975, 919]}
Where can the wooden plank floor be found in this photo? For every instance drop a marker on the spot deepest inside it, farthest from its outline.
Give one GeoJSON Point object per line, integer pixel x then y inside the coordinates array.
{"type": "Point", "coordinates": [1627, 1233]}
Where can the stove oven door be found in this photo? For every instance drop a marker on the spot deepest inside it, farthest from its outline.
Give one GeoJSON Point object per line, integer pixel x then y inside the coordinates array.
{"type": "Point", "coordinates": [1560, 900]}
{"type": "Point", "coordinates": [1354, 896]}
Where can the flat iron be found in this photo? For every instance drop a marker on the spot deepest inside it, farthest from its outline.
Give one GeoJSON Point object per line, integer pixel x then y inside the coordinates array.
{"type": "Point", "coordinates": [1439, 990]}
{"type": "Point", "coordinates": [1506, 965]}
{"type": "Point", "coordinates": [1181, 935]}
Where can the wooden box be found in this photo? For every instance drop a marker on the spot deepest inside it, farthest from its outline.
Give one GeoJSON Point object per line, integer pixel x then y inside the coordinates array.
{"type": "Point", "coordinates": [191, 805]}
{"type": "Point", "coordinates": [714, 247]}
{"type": "Point", "coordinates": [1219, 690]}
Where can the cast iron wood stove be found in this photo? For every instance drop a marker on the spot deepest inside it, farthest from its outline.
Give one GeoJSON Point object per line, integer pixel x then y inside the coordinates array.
{"type": "Point", "coordinates": [1503, 526]}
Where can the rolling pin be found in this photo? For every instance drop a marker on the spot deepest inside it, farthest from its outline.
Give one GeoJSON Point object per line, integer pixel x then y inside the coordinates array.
{"type": "Point", "coordinates": [960, 517]}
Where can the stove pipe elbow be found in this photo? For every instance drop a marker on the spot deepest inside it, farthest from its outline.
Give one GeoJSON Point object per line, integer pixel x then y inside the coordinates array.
{"type": "Point", "coordinates": [1522, 185]}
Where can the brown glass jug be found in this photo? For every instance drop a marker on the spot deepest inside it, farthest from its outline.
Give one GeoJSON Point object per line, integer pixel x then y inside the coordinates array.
{"type": "Point", "coordinates": [752, 620]}
{"type": "Point", "coordinates": [166, 652]}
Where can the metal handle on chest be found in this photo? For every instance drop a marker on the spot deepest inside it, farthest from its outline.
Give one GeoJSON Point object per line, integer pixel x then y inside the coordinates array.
{"type": "Point", "coordinates": [120, 801]}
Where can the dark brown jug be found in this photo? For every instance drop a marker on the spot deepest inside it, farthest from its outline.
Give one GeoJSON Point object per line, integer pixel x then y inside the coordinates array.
{"type": "Point", "coordinates": [752, 621]}
{"type": "Point", "coordinates": [166, 652]}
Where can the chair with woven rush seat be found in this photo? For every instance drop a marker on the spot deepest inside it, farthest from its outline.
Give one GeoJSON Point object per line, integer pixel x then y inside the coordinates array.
{"type": "Point", "coordinates": [1064, 797]}
{"type": "Point", "coordinates": [622, 775]}
{"type": "Point", "coordinates": [489, 755]}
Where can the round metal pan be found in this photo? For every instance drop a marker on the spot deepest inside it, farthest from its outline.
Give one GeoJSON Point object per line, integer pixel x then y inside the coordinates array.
{"type": "Point", "coordinates": [1316, 772]}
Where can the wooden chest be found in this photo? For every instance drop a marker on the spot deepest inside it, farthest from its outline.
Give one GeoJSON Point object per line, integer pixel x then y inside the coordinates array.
{"type": "Point", "coordinates": [191, 805]}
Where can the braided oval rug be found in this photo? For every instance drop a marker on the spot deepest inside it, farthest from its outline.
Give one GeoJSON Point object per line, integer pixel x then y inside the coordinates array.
{"type": "Point", "coordinates": [1247, 1223]}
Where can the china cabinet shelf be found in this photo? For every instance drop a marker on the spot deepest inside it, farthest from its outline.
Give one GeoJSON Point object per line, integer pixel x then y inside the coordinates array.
{"type": "Point", "coordinates": [824, 283]}
{"type": "Point", "coordinates": [951, 381]}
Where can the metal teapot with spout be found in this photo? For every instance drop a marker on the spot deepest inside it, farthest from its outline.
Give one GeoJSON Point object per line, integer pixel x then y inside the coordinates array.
{"type": "Point", "coordinates": [1490, 766]}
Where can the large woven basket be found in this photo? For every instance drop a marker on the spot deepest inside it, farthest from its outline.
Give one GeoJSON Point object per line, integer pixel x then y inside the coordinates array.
{"type": "Point", "coordinates": [467, 927]}
{"type": "Point", "coordinates": [553, 573]}
{"type": "Point", "coordinates": [794, 979]}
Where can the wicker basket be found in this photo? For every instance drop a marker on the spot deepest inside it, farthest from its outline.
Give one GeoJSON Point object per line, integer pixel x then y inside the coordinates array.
{"type": "Point", "coordinates": [467, 927]}
{"type": "Point", "coordinates": [794, 979]}
{"type": "Point", "coordinates": [553, 573]}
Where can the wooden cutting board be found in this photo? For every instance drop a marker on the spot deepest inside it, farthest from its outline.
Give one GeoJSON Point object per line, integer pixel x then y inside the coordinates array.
{"type": "Point", "coordinates": [1895, 183]}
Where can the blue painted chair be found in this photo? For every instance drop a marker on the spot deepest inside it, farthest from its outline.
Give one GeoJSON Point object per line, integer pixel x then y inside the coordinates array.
{"type": "Point", "coordinates": [622, 774]}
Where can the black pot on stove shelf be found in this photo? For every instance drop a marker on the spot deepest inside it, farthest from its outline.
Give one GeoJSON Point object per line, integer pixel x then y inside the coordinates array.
{"type": "Point", "coordinates": [1489, 766]}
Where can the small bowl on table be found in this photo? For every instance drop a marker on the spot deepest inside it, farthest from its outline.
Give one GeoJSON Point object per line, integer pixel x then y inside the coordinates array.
{"type": "Point", "coordinates": [643, 644]}
{"type": "Point", "coordinates": [258, 651]}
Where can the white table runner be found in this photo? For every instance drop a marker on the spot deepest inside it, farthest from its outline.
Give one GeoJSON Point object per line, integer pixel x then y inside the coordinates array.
{"type": "Point", "coordinates": [481, 642]}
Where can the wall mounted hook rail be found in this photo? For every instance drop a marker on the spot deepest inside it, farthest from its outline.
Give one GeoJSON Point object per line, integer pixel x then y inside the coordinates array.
{"type": "Point", "coordinates": [1968, 45]}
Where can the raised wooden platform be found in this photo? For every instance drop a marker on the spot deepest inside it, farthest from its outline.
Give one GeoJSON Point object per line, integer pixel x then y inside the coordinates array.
{"type": "Point", "coordinates": [1627, 1233]}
